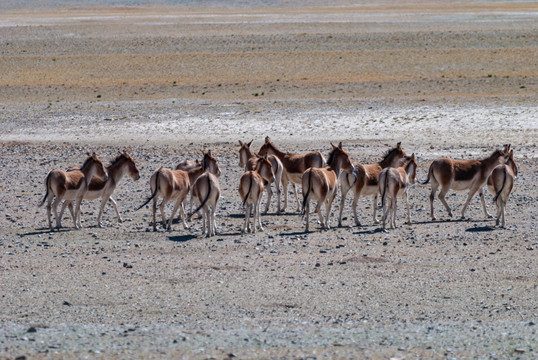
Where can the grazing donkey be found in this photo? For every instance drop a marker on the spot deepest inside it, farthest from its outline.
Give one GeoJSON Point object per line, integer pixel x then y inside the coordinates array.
{"type": "Point", "coordinates": [366, 179]}
{"type": "Point", "coordinates": [251, 187]}
{"type": "Point", "coordinates": [248, 160]}
{"type": "Point", "coordinates": [71, 185]}
{"type": "Point", "coordinates": [294, 166]}
{"type": "Point", "coordinates": [461, 175]}
{"type": "Point", "coordinates": [501, 182]}
{"type": "Point", "coordinates": [394, 182]}
{"type": "Point", "coordinates": [104, 189]}
{"type": "Point", "coordinates": [321, 184]}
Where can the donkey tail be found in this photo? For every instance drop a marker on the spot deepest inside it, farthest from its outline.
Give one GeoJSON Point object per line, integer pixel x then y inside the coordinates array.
{"type": "Point", "coordinates": [248, 192]}
{"type": "Point", "coordinates": [154, 191]}
{"type": "Point", "coordinates": [47, 192]}
{"type": "Point", "coordinates": [203, 202]}
{"type": "Point", "coordinates": [430, 173]}
{"type": "Point", "coordinates": [308, 187]}
{"type": "Point", "coordinates": [502, 187]}
{"type": "Point", "coordinates": [384, 191]}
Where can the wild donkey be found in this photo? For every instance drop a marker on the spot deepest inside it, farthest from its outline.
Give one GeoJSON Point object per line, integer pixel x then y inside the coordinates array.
{"type": "Point", "coordinates": [461, 175]}
{"type": "Point", "coordinates": [71, 185]}
{"type": "Point", "coordinates": [501, 182]}
{"type": "Point", "coordinates": [294, 166]}
{"type": "Point", "coordinates": [171, 185]}
{"type": "Point", "coordinates": [365, 181]}
{"type": "Point", "coordinates": [394, 182]}
{"type": "Point", "coordinates": [321, 184]}
{"type": "Point", "coordinates": [249, 161]}
{"type": "Point", "coordinates": [206, 190]}
{"type": "Point", "coordinates": [195, 168]}
{"type": "Point", "coordinates": [251, 187]}
{"type": "Point", "coordinates": [104, 189]}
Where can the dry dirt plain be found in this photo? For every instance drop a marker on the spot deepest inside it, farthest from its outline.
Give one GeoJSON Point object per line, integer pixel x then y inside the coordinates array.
{"type": "Point", "coordinates": [164, 83]}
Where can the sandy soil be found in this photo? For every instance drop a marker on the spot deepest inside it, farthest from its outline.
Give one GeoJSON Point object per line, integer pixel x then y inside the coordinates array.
{"type": "Point", "coordinates": [166, 82]}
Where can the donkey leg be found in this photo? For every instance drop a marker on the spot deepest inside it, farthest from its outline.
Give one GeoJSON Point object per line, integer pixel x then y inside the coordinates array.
{"type": "Point", "coordinates": [78, 222]}
{"type": "Point", "coordinates": [374, 205]}
{"type": "Point", "coordinates": [179, 201]}
{"type": "Point", "coordinates": [441, 197]}
{"type": "Point", "coordinates": [49, 213]}
{"type": "Point", "coordinates": [245, 224]}
{"type": "Point", "coordinates": [469, 197]}
{"type": "Point", "coordinates": [154, 209]}
{"type": "Point", "coordinates": [161, 207]}
{"type": "Point", "coordinates": [481, 193]}
{"type": "Point", "coordinates": [503, 205]}
{"type": "Point", "coordinates": [395, 207]}
{"type": "Point", "coordinates": [259, 216]}
{"type": "Point", "coordinates": [320, 215]}
{"type": "Point", "coordinates": [408, 210]}
{"type": "Point", "coordinates": [269, 196]}
{"type": "Point", "coordinates": [307, 214]}
{"type": "Point", "coordinates": [285, 192]}
{"type": "Point", "coordinates": [55, 204]}
{"type": "Point", "coordinates": [115, 206]}
{"type": "Point", "coordinates": [498, 204]}
{"type": "Point", "coordinates": [344, 189]}
{"type": "Point", "coordinates": [296, 198]}
{"type": "Point", "coordinates": [104, 200]}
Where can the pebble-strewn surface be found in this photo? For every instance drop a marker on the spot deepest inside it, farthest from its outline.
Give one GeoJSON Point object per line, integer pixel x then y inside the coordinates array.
{"type": "Point", "coordinates": [165, 86]}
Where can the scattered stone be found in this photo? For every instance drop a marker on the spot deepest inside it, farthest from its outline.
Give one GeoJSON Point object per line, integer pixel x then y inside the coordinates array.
{"type": "Point", "coordinates": [66, 303]}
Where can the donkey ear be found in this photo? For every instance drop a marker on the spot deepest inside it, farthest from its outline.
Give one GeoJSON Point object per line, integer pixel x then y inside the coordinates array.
{"type": "Point", "coordinates": [413, 156]}
{"type": "Point", "coordinates": [250, 142]}
{"type": "Point", "coordinates": [88, 153]}
{"type": "Point", "coordinates": [340, 145]}
{"type": "Point", "coordinates": [267, 139]}
{"type": "Point", "coordinates": [332, 145]}
{"type": "Point", "coordinates": [265, 157]}
{"type": "Point", "coordinates": [209, 153]}
{"type": "Point", "coordinates": [240, 143]}
{"type": "Point", "coordinates": [399, 145]}
{"type": "Point", "coordinates": [94, 155]}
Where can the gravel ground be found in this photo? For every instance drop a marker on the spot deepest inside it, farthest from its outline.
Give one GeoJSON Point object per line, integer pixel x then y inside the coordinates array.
{"type": "Point", "coordinates": [424, 75]}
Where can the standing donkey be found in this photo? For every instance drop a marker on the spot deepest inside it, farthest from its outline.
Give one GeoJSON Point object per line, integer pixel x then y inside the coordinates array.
{"type": "Point", "coordinates": [171, 185]}
{"type": "Point", "coordinates": [501, 182]}
{"type": "Point", "coordinates": [461, 175]}
{"type": "Point", "coordinates": [366, 179]}
{"type": "Point", "coordinates": [206, 190]}
{"type": "Point", "coordinates": [104, 189]}
{"type": "Point", "coordinates": [195, 168]}
{"type": "Point", "coordinates": [251, 187]}
{"type": "Point", "coordinates": [248, 160]}
{"type": "Point", "coordinates": [294, 166]}
{"type": "Point", "coordinates": [321, 184]}
{"type": "Point", "coordinates": [71, 185]}
{"type": "Point", "coordinates": [394, 182]}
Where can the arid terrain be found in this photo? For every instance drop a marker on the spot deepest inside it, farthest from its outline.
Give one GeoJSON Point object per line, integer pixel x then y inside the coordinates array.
{"type": "Point", "coordinates": [165, 82]}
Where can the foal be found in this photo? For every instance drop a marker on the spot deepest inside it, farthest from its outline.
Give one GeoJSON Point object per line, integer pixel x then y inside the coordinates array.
{"type": "Point", "coordinates": [248, 160]}
{"type": "Point", "coordinates": [251, 187]}
{"type": "Point", "coordinates": [71, 185]}
{"type": "Point", "coordinates": [366, 181]}
{"type": "Point", "coordinates": [461, 175]}
{"type": "Point", "coordinates": [206, 190]}
{"type": "Point", "coordinates": [501, 182]}
{"type": "Point", "coordinates": [321, 184]}
{"type": "Point", "coordinates": [121, 165]}
{"type": "Point", "coordinates": [394, 182]}
{"type": "Point", "coordinates": [294, 165]}
{"type": "Point", "coordinates": [171, 185]}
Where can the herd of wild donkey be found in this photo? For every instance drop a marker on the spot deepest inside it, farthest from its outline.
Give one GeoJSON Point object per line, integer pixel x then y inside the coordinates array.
{"type": "Point", "coordinates": [390, 177]}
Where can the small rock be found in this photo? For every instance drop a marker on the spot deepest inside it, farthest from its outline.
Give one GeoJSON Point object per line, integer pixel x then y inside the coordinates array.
{"type": "Point", "coordinates": [66, 303]}
{"type": "Point", "coordinates": [31, 330]}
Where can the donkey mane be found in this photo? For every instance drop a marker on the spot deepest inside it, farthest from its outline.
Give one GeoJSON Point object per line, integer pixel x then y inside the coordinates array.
{"type": "Point", "coordinates": [86, 163]}
{"type": "Point", "coordinates": [116, 160]}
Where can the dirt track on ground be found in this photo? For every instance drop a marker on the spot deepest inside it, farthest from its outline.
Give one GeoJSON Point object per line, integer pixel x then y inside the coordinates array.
{"type": "Point", "coordinates": [167, 83]}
